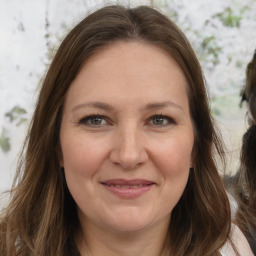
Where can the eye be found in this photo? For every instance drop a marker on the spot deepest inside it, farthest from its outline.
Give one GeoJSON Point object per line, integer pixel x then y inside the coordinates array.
{"type": "Point", "coordinates": [94, 120]}
{"type": "Point", "coordinates": [161, 120]}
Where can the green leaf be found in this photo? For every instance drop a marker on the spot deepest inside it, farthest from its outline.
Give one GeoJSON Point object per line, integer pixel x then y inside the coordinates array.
{"type": "Point", "coordinates": [228, 18]}
{"type": "Point", "coordinates": [17, 113]}
{"type": "Point", "coordinates": [4, 141]}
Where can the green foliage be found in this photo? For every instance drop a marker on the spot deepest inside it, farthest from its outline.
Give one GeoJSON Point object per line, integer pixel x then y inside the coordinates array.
{"type": "Point", "coordinates": [209, 47]}
{"type": "Point", "coordinates": [17, 114]}
{"type": "Point", "coordinates": [4, 141]}
{"type": "Point", "coordinates": [229, 18]}
{"type": "Point", "coordinates": [239, 64]}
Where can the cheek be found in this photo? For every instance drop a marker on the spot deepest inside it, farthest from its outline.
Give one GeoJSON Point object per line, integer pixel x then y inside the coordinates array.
{"type": "Point", "coordinates": [82, 162]}
{"type": "Point", "coordinates": [82, 157]}
{"type": "Point", "coordinates": [174, 157]}
{"type": "Point", "coordinates": [173, 162]}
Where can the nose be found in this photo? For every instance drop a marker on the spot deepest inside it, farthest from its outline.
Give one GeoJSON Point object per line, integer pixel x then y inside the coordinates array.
{"type": "Point", "coordinates": [129, 150]}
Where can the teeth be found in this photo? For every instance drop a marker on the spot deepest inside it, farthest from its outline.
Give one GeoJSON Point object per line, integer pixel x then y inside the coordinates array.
{"type": "Point", "coordinates": [136, 186]}
{"type": "Point", "coordinates": [127, 186]}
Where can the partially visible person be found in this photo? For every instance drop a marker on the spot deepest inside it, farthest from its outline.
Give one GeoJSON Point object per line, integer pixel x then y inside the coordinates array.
{"type": "Point", "coordinates": [243, 184]}
{"type": "Point", "coordinates": [246, 177]}
{"type": "Point", "coordinates": [119, 159]}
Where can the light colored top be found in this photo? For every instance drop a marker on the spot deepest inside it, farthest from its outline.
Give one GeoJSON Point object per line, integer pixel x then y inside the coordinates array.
{"type": "Point", "coordinates": [239, 241]}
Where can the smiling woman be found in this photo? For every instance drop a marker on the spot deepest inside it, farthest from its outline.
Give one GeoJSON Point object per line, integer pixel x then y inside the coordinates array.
{"type": "Point", "coordinates": [119, 156]}
{"type": "Point", "coordinates": [132, 158]}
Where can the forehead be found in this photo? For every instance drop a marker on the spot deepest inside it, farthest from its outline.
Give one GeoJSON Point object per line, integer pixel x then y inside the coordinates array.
{"type": "Point", "coordinates": [136, 69]}
{"type": "Point", "coordinates": [140, 51]}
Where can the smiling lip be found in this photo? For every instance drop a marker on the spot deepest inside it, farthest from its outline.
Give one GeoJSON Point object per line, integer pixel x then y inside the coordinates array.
{"type": "Point", "coordinates": [128, 188]}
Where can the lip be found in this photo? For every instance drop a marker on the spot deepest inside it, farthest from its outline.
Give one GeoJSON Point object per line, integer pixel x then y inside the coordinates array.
{"type": "Point", "coordinates": [128, 188]}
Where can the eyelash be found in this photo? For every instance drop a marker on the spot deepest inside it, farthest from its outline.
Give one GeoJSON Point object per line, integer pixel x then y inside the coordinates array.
{"type": "Point", "coordinates": [85, 120]}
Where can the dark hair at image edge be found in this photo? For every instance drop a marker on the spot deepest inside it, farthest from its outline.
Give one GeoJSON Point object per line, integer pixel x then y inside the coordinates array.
{"type": "Point", "coordinates": [245, 179]}
{"type": "Point", "coordinates": [41, 217]}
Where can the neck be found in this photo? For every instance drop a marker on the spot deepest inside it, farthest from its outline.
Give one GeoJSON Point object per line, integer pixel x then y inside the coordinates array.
{"type": "Point", "coordinates": [151, 241]}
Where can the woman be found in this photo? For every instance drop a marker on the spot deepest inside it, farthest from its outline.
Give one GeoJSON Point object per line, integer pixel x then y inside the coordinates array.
{"type": "Point", "coordinates": [119, 156]}
{"type": "Point", "coordinates": [245, 179]}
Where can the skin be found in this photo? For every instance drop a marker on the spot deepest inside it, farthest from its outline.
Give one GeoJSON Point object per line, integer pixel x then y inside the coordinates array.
{"type": "Point", "coordinates": [126, 85]}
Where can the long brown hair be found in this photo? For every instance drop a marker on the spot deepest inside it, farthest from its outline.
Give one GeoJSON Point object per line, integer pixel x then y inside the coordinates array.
{"type": "Point", "coordinates": [245, 179]}
{"type": "Point", "coordinates": [41, 218]}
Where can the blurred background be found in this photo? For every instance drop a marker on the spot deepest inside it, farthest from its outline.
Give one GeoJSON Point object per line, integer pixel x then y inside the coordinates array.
{"type": "Point", "coordinates": [221, 32]}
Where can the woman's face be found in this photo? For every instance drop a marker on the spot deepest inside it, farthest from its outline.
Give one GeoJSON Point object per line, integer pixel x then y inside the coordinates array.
{"type": "Point", "coordinates": [126, 138]}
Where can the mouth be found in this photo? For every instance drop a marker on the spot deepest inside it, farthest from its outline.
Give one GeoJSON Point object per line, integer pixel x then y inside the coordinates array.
{"type": "Point", "coordinates": [128, 188]}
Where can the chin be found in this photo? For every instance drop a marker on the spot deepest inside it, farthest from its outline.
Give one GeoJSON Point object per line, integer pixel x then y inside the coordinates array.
{"type": "Point", "coordinates": [128, 226]}
{"type": "Point", "coordinates": [130, 221]}
{"type": "Point", "coordinates": [126, 220]}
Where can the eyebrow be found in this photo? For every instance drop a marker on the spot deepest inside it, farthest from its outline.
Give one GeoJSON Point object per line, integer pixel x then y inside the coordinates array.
{"type": "Point", "coordinates": [99, 105]}
{"type": "Point", "coordinates": [108, 107]}
{"type": "Point", "coordinates": [160, 105]}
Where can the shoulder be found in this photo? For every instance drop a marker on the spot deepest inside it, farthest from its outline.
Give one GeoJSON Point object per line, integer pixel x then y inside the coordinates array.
{"type": "Point", "coordinates": [240, 242]}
